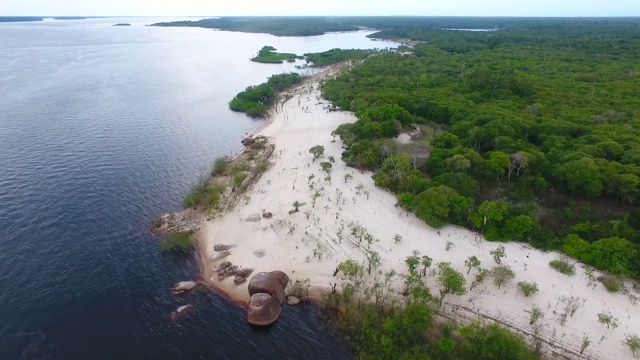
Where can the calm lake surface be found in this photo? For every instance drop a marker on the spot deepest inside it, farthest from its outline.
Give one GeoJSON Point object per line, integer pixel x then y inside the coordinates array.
{"type": "Point", "coordinates": [101, 129]}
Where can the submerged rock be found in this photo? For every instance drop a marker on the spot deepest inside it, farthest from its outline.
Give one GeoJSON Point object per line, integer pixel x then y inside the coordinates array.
{"type": "Point", "coordinates": [292, 300]}
{"type": "Point", "coordinates": [239, 280]}
{"type": "Point", "coordinates": [253, 218]}
{"type": "Point", "coordinates": [264, 310]}
{"type": "Point", "coordinates": [267, 215]}
{"type": "Point", "coordinates": [269, 283]}
{"type": "Point", "coordinates": [183, 287]}
{"type": "Point", "coordinates": [181, 311]}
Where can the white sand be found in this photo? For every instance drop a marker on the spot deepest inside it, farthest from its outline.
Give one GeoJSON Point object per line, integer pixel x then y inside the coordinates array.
{"type": "Point", "coordinates": [294, 130]}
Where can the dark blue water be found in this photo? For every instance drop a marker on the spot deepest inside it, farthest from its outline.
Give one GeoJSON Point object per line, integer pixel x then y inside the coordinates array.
{"type": "Point", "coordinates": [101, 129]}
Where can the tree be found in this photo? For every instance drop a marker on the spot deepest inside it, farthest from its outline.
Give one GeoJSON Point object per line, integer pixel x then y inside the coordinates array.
{"type": "Point", "coordinates": [498, 253]}
{"type": "Point", "coordinates": [499, 162]}
{"type": "Point", "coordinates": [633, 342]}
{"type": "Point", "coordinates": [451, 281]}
{"type": "Point", "coordinates": [472, 262]}
{"type": "Point", "coordinates": [425, 261]}
{"type": "Point", "coordinates": [317, 151]}
{"type": "Point", "coordinates": [373, 261]}
{"type": "Point", "coordinates": [296, 205]}
{"type": "Point", "coordinates": [489, 217]}
{"type": "Point", "coordinates": [606, 318]}
{"type": "Point", "coordinates": [502, 275]}
{"type": "Point", "coordinates": [326, 166]}
{"type": "Point", "coordinates": [517, 227]}
{"type": "Point", "coordinates": [585, 343]}
{"type": "Point", "coordinates": [347, 177]}
{"type": "Point", "coordinates": [437, 205]}
{"type": "Point", "coordinates": [528, 288]}
{"type": "Point", "coordinates": [583, 177]}
{"type": "Point", "coordinates": [613, 254]}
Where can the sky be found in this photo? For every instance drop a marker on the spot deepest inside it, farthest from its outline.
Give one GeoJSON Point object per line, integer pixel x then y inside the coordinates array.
{"type": "Point", "coordinates": [322, 7]}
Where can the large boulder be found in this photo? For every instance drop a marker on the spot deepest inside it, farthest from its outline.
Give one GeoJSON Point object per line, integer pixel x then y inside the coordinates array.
{"type": "Point", "coordinates": [282, 277]}
{"type": "Point", "coordinates": [264, 282]}
{"type": "Point", "coordinates": [264, 310]}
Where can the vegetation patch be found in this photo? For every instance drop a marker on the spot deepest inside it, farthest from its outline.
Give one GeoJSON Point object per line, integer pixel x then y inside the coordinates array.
{"type": "Point", "coordinates": [335, 56]}
{"type": "Point", "coordinates": [256, 100]}
{"type": "Point", "coordinates": [268, 55]}
{"type": "Point", "coordinates": [178, 242]}
{"type": "Point", "coordinates": [563, 266]}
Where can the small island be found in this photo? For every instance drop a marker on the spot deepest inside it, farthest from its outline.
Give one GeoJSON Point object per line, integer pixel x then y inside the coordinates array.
{"type": "Point", "coordinates": [122, 24]}
{"type": "Point", "coordinates": [268, 55]}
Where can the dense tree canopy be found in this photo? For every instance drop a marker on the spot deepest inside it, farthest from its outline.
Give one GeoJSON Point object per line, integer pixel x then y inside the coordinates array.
{"type": "Point", "coordinates": [534, 130]}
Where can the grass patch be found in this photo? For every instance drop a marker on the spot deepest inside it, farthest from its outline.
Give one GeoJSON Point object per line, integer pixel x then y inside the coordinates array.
{"type": "Point", "coordinates": [205, 195]}
{"type": "Point", "coordinates": [268, 55]}
{"type": "Point", "coordinates": [563, 266]}
{"type": "Point", "coordinates": [178, 242]}
{"type": "Point", "coordinates": [221, 165]}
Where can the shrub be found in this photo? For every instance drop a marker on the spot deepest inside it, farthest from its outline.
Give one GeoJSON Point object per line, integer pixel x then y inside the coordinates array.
{"type": "Point", "coordinates": [178, 242]}
{"type": "Point", "coordinates": [528, 288]}
{"type": "Point", "coordinates": [611, 283]}
{"type": "Point", "coordinates": [563, 266]}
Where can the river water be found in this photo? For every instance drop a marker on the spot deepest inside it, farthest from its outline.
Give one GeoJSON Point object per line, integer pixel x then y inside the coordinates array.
{"type": "Point", "coordinates": [101, 129]}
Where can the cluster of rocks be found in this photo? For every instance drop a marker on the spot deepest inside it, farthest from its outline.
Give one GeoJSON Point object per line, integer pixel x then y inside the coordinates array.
{"type": "Point", "coordinates": [227, 269]}
{"type": "Point", "coordinates": [183, 222]}
{"type": "Point", "coordinates": [267, 294]}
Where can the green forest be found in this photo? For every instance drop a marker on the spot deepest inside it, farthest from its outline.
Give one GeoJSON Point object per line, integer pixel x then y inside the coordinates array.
{"type": "Point", "coordinates": [530, 134]}
{"type": "Point", "coordinates": [256, 100]}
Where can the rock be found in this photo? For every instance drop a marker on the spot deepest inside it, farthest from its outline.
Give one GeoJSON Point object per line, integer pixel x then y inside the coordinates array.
{"type": "Point", "coordinates": [264, 282]}
{"type": "Point", "coordinates": [259, 253]}
{"type": "Point", "coordinates": [253, 218]}
{"type": "Point", "coordinates": [231, 270]}
{"type": "Point", "coordinates": [244, 272]}
{"type": "Point", "coordinates": [267, 215]}
{"type": "Point", "coordinates": [222, 266]}
{"type": "Point", "coordinates": [181, 311]}
{"type": "Point", "coordinates": [264, 310]}
{"type": "Point", "coordinates": [292, 300]}
{"type": "Point", "coordinates": [220, 255]}
{"type": "Point", "coordinates": [220, 247]}
{"type": "Point", "coordinates": [239, 280]}
{"type": "Point", "coordinates": [282, 277]}
{"type": "Point", "coordinates": [183, 286]}
{"type": "Point", "coordinates": [248, 141]}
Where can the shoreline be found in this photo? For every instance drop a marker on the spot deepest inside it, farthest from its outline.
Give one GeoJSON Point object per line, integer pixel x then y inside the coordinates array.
{"type": "Point", "coordinates": [309, 244]}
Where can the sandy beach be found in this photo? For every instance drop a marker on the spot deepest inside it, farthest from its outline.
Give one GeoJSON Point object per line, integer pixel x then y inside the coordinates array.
{"type": "Point", "coordinates": [310, 243]}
